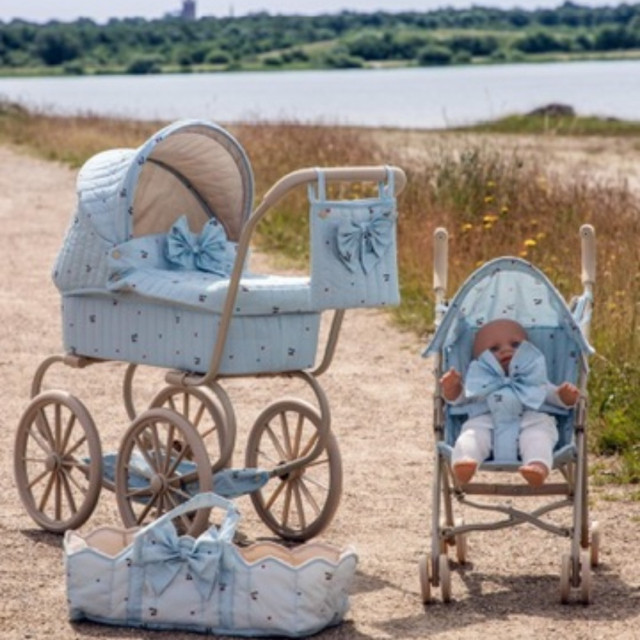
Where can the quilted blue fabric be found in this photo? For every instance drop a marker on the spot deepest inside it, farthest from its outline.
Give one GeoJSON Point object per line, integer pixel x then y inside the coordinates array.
{"type": "Point", "coordinates": [353, 249]}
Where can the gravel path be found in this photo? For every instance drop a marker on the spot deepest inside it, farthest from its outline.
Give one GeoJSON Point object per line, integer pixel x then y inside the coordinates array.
{"type": "Point", "coordinates": [380, 394]}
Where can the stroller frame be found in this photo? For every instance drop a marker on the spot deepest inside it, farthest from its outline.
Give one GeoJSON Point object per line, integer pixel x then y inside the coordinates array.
{"type": "Point", "coordinates": [447, 530]}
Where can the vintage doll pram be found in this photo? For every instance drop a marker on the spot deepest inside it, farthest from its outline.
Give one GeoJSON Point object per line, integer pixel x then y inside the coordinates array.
{"type": "Point", "coordinates": [154, 271]}
{"type": "Point", "coordinates": [512, 288]}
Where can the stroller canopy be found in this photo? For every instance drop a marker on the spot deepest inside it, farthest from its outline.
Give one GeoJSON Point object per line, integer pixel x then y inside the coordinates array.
{"type": "Point", "coordinates": [507, 288]}
{"type": "Point", "coordinates": [191, 167]}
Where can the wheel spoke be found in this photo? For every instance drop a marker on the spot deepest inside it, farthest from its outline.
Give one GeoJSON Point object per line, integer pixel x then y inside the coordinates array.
{"type": "Point", "coordinates": [199, 413]}
{"type": "Point", "coordinates": [169, 446]}
{"type": "Point", "coordinates": [276, 443]}
{"type": "Point", "coordinates": [308, 495]}
{"type": "Point", "coordinates": [286, 509]}
{"type": "Point", "coordinates": [58, 496]}
{"type": "Point", "coordinates": [67, 432]}
{"type": "Point", "coordinates": [185, 405]}
{"type": "Point", "coordinates": [298, 436]}
{"type": "Point", "coordinates": [37, 479]}
{"type": "Point", "coordinates": [142, 446]}
{"type": "Point", "coordinates": [38, 438]}
{"type": "Point", "coordinates": [312, 443]}
{"type": "Point", "coordinates": [68, 492]}
{"type": "Point", "coordinates": [276, 493]}
{"type": "Point", "coordinates": [147, 507]}
{"type": "Point", "coordinates": [45, 428]}
{"type": "Point", "coordinates": [299, 505]}
{"type": "Point", "coordinates": [58, 427]}
{"type": "Point", "coordinates": [78, 444]}
{"type": "Point", "coordinates": [286, 435]}
{"type": "Point", "coordinates": [47, 492]}
{"type": "Point", "coordinates": [70, 476]}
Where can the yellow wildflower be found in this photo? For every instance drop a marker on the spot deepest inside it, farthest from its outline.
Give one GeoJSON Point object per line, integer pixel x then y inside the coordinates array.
{"type": "Point", "coordinates": [467, 226]}
{"type": "Point", "coordinates": [488, 199]}
{"type": "Point", "coordinates": [489, 218]}
{"type": "Point", "coordinates": [530, 242]}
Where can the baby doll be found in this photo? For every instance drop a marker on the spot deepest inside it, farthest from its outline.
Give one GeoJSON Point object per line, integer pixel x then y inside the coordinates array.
{"type": "Point", "coordinates": [508, 381]}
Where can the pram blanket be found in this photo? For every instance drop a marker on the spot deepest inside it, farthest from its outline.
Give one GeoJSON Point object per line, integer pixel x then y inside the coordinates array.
{"type": "Point", "coordinates": [154, 578]}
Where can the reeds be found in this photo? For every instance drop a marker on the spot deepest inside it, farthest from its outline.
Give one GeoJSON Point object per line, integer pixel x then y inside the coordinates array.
{"type": "Point", "coordinates": [493, 203]}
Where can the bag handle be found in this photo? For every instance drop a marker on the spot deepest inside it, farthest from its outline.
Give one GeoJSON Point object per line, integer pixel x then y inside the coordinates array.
{"type": "Point", "coordinates": [206, 500]}
{"type": "Point", "coordinates": [385, 188]}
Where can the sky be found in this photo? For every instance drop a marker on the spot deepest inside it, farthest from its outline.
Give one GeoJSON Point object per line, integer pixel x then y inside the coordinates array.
{"type": "Point", "coordinates": [41, 11]}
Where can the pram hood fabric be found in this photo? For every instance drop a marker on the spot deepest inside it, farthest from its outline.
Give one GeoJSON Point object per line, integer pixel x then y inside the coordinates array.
{"type": "Point", "coordinates": [511, 288]}
{"type": "Point", "coordinates": [192, 168]}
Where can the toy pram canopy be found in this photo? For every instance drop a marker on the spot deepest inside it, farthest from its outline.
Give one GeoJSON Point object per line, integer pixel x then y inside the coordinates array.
{"type": "Point", "coordinates": [191, 167]}
{"type": "Point", "coordinates": [507, 288]}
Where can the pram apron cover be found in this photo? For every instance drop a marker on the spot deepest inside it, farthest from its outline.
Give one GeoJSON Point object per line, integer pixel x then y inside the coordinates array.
{"type": "Point", "coordinates": [514, 289]}
{"type": "Point", "coordinates": [153, 578]}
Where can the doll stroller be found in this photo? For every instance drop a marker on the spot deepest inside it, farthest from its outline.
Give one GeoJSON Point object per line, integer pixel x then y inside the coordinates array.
{"type": "Point", "coordinates": [154, 271]}
{"type": "Point", "coordinates": [515, 289]}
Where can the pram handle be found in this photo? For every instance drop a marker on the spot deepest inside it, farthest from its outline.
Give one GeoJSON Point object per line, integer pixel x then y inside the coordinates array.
{"type": "Point", "coordinates": [272, 197]}
{"type": "Point", "coordinates": [588, 243]}
{"type": "Point", "coordinates": [331, 174]}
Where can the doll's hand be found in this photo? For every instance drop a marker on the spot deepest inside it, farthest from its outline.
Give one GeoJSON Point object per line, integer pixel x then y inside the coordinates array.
{"type": "Point", "coordinates": [568, 393]}
{"type": "Point", "coordinates": [451, 383]}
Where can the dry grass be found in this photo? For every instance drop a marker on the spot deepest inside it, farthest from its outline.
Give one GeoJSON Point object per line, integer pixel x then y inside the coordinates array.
{"type": "Point", "coordinates": [492, 202]}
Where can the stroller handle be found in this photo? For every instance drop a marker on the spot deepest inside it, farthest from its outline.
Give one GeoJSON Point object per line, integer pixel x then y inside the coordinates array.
{"type": "Point", "coordinates": [588, 243]}
{"type": "Point", "coordinates": [440, 261]}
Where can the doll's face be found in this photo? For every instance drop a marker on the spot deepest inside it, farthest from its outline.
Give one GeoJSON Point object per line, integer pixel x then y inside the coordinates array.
{"type": "Point", "coordinates": [502, 338]}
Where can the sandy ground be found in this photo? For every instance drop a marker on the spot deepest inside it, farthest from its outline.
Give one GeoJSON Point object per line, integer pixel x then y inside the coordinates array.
{"type": "Point", "coordinates": [380, 391]}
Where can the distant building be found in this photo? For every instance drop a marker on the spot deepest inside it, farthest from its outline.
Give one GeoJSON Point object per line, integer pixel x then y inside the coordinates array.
{"type": "Point", "coordinates": [188, 10]}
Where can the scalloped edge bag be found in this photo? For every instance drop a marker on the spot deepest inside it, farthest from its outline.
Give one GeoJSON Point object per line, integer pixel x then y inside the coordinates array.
{"type": "Point", "coordinates": [153, 578]}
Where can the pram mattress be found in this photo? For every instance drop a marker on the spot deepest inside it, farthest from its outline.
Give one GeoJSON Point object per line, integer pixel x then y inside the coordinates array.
{"type": "Point", "coordinates": [134, 329]}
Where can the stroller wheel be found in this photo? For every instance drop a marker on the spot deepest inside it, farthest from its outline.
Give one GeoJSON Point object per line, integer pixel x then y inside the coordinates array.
{"type": "Point", "coordinates": [445, 577]}
{"type": "Point", "coordinates": [425, 579]}
{"type": "Point", "coordinates": [58, 461]}
{"type": "Point", "coordinates": [565, 578]}
{"type": "Point", "coordinates": [299, 504]}
{"type": "Point", "coordinates": [199, 407]}
{"type": "Point", "coordinates": [162, 462]}
{"type": "Point", "coordinates": [585, 578]}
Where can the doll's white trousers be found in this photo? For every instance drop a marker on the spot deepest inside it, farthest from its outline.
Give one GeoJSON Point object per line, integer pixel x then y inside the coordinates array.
{"type": "Point", "coordinates": [537, 438]}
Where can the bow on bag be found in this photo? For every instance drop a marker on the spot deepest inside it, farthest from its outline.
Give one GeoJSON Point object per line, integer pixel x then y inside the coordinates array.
{"type": "Point", "coordinates": [206, 251]}
{"type": "Point", "coordinates": [164, 553]}
{"type": "Point", "coordinates": [364, 242]}
{"type": "Point", "coordinates": [527, 376]}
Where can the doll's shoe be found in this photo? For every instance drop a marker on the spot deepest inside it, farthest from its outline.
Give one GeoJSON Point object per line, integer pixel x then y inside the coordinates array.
{"type": "Point", "coordinates": [535, 473]}
{"type": "Point", "coordinates": [464, 470]}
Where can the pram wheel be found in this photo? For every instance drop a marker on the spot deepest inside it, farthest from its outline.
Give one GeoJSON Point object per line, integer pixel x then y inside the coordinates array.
{"type": "Point", "coordinates": [58, 461]}
{"type": "Point", "coordinates": [303, 500]}
{"type": "Point", "coordinates": [162, 462]}
{"type": "Point", "coordinates": [199, 407]}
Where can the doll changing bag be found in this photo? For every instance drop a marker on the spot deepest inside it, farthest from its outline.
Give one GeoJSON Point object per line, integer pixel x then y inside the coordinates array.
{"type": "Point", "coordinates": [154, 578]}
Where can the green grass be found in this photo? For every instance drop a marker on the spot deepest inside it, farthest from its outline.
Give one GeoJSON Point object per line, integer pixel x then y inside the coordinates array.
{"type": "Point", "coordinates": [493, 203]}
{"type": "Point", "coordinates": [558, 125]}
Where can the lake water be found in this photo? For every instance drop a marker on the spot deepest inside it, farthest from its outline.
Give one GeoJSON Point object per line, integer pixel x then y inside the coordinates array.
{"type": "Point", "coordinates": [415, 97]}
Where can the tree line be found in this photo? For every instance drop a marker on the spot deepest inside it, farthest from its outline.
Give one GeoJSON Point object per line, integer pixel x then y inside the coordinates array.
{"type": "Point", "coordinates": [347, 39]}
